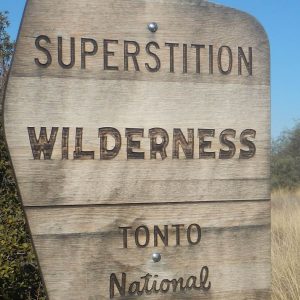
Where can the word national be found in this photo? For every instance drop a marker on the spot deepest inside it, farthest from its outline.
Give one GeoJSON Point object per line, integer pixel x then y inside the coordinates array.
{"type": "Point", "coordinates": [150, 284]}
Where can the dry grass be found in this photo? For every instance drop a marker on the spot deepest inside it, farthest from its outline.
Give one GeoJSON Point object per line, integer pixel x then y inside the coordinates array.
{"type": "Point", "coordinates": [286, 245]}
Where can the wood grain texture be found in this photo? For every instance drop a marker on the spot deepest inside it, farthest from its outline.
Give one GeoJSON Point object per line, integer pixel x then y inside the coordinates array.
{"type": "Point", "coordinates": [235, 245]}
{"type": "Point", "coordinates": [75, 207]}
{"type": "Point", "coordinates": [179, 22]}
{"type": "Point", "coordinates": [177, 105]}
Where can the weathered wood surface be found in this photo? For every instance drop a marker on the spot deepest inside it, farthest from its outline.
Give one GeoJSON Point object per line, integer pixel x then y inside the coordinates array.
{"type": "Point", "coordinates": [74, 207]}
{"type": "Point", "coordinates": [191, 21]}
{"type": "Point", "coordinates": [235, 244]}
{"type": "Point", "coordinates": [92, 104]}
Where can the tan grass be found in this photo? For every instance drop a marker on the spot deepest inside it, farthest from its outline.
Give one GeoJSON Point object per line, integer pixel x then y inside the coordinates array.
{"type": "Point", "coordinates": [286, 245]}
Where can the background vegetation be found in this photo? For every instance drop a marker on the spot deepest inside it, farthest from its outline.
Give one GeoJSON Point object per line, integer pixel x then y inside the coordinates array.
{"type": "Point", "coordinates": [285, 162]}
{"type": "Point", "coordinates": [285, 170]}
{"type": "Point", "coordinates": [19, 275]}
{"type": "Point", "coordinates": [285, 245]}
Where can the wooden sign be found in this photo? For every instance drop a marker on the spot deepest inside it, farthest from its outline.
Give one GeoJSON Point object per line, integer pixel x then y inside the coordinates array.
{"type": "Point", "coordinates": [139, 135]}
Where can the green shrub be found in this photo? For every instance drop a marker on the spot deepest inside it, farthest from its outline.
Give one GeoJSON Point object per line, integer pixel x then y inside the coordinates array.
{"type": "Point", "coordinates": [285, 162]}
{"type": "Point", "coordinates": [19, 275]}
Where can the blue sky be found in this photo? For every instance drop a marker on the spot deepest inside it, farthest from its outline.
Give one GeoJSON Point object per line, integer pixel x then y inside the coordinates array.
{"type": "Point", "coordinates": [282, 23]}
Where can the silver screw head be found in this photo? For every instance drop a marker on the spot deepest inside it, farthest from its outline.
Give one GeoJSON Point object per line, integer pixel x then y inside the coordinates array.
{"type": "Point", "coordinates": [156, 257]}
{"type": "Point", "coordinates": [153, 26]}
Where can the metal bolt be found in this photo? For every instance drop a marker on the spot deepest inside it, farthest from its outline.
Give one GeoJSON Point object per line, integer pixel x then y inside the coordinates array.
{"type": "Point", "coordinates": [153, 26]}
{"type": "Point", "coordinates": [156, 257]}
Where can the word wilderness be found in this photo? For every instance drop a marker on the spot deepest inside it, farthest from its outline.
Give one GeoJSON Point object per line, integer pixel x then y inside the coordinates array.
{"type": "Point", "coordinates": [150, 284]}
{"type": "Point", "coordinates": [159, 140]}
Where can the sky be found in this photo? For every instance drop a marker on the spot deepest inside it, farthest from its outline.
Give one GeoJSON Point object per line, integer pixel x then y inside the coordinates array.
{"type": "Point", "coordinates": [282, 24]}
